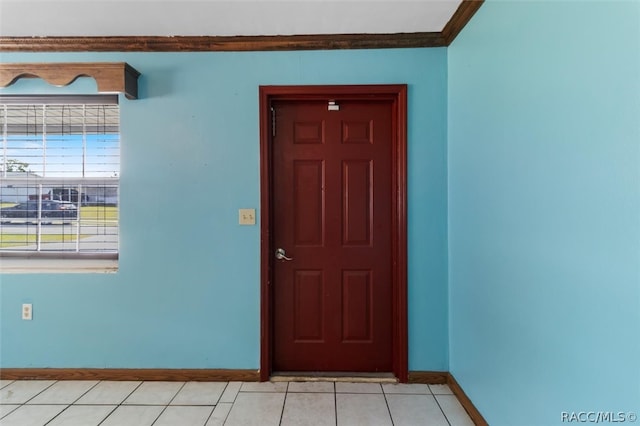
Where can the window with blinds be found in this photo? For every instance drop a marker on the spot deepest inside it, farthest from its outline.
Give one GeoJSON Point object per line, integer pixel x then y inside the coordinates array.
{"type": "Point", "coordinates": [59, 175]}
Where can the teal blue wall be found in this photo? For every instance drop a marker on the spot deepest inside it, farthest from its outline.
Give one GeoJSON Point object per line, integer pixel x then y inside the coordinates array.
{"type": "Point", "coordinates": [187, 293]}
{"type": "Point", "coordinates": [536, 109]}
{"type": "Point", "coordinates": [544, 209]}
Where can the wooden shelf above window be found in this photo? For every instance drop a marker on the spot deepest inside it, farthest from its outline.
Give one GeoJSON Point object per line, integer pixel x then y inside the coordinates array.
{"type": "Point", "coordinates": [111, 77]}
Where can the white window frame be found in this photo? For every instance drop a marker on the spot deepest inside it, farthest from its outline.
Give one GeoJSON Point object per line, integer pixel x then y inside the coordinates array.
{"type": "Point", "coordinates": [71, 257]}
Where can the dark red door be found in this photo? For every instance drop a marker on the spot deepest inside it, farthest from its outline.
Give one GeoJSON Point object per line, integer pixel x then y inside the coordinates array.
{"type": "Point", "coordinates": [332, 216]}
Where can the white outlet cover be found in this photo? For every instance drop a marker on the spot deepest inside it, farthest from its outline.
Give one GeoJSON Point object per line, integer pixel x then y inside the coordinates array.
{"type": "Point", "coordinates": [27, 311]}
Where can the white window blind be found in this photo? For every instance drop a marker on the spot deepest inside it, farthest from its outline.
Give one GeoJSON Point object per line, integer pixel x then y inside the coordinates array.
{"type": "Point", "coordinates": [59, 172]}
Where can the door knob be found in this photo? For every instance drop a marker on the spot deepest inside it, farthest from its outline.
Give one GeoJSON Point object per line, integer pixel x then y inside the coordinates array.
{"type": "Point", "coordinates": [282, 255]}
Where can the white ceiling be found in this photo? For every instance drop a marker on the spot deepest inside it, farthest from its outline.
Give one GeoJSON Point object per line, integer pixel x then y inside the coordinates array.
{"type": "Point", "coordinates": [221, 17]}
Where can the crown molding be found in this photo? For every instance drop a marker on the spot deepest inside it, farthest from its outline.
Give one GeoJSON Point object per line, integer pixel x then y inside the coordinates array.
{"type": "Point", "coordinates": [246, 43]}
{"type": "Point", "coordinates": [459, 20]}
{"type": "Point", "coordinates": [219, 43]}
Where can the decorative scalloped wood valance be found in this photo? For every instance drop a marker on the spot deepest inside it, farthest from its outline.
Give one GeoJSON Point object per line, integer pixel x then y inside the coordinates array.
{"type": "Point", "coordinates": [110, 76]}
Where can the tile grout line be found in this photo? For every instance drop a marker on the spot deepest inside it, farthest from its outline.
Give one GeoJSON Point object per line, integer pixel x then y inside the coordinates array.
{"type": "Point", "coordinates": [10, 382]}
{"type": "Point", "coordinates": [237, 393]}
{"type": "Point", "coordinates": [384, 395]}
{"type": "Point", "coordinates": [168, 403]}
{"type": "Point", "coordinates": [286, 393]}
{"type": "Point", "coordinates": [222, 393]}
{"type": "Point", "coordinates": [72, 402]}
{"type": "Point", "coordinates": [109, 414]}
{"type": "Point", "coordinates": [10, 411]}
{"type": "Point", "coordinates": [335, 402]}
{"type": "Point", "coordinates": [21, 406]}
{"type": "Point", "coordinates": [232, 402]}
{"type": "Point", "coordinates": [27, 401]}
{"type": "Point", "coordinates": [210, 414]}
{"type": "Point", "coordinates": [216, 405]}
{"type": "Point", "coordinates": [226, 416]}
{"type": "Point", "coordinates": [121, 402]}
{"type": "Point", "coordinates": [441, 410]}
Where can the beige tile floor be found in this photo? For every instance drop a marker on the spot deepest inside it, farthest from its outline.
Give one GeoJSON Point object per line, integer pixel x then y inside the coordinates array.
{"type": "Point", "coordinates": [106, 403]}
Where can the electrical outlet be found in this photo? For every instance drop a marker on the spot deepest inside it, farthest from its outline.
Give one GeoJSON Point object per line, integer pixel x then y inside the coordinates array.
{"type": "Point", "coordinates": [247, 216]}
{"type": "Point", "coordinates": [27, 311]}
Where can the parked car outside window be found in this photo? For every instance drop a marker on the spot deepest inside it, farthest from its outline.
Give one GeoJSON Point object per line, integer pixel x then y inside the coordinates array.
{"type": "Point", "coordinates": [50, 209]}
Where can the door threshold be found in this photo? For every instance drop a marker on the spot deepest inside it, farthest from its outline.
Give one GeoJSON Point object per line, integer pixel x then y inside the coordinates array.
{"type": "Point", "coordinates": [305, 376]}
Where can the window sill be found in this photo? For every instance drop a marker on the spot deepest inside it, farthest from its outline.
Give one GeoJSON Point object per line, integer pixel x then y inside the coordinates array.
{"type": "Point", "coordinates": [65, 265]}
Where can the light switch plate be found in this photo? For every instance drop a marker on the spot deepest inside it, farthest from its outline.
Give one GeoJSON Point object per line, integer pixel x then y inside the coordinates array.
{"type": "Point", "coordinates": [247, 216]}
